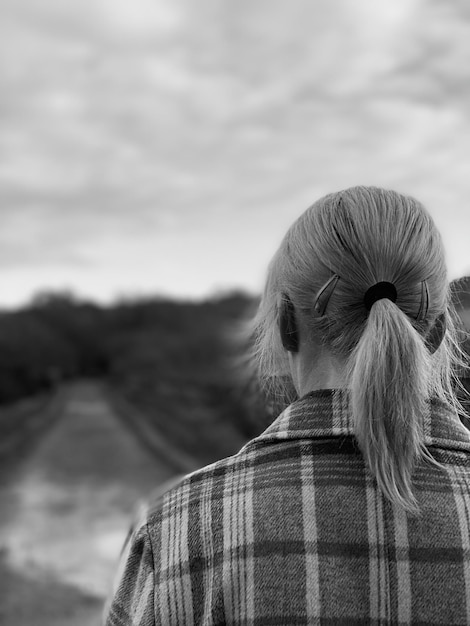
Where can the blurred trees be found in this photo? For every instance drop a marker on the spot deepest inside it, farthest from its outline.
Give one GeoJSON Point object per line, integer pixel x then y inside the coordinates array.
{"type": "Point", "coordinates": [164, 356]}
{"type": "Point", "coordinates": [174, 360]}
{"type": "Point", "coordinates": [177, 362]}
{"type": "Point", "coordinates": [77, 324]}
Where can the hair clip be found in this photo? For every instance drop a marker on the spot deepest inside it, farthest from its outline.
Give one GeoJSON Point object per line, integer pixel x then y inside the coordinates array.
{"type": "Point", "coordinates": [424, 303]}
{"type": "Point", "coordinates": [324, 295]}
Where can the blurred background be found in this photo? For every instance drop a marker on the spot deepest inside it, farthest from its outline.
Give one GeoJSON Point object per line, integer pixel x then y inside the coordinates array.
{"type": "Point", "coordinates": [152, 155]}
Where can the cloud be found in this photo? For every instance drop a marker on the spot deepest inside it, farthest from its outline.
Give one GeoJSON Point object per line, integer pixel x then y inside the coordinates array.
{"type": "Point", "coordinates": [164, 130]}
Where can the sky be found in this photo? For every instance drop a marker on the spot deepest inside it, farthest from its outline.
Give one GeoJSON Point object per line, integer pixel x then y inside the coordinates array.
{"type": "Point", "coordinates": [163, 147]}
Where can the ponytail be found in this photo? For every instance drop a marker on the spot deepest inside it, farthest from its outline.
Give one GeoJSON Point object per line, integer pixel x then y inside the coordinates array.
{"type": "Point", "coordinates": [389, 378]}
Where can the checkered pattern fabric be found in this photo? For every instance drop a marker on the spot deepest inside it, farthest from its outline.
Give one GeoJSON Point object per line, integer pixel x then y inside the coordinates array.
{"type": "Point", "coordinates": [293, 530]}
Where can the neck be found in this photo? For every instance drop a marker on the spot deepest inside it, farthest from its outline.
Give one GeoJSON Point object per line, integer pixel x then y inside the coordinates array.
{"type": "Point", "coordinates": [315, 368]}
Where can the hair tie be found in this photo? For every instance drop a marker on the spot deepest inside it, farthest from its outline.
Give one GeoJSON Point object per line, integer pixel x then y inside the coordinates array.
{"type": "Point", "coordinates": [379, 291]}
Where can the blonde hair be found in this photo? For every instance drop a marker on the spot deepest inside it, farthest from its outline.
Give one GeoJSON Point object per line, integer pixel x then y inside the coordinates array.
{"type": "Point", "coordinates": [367, 235]}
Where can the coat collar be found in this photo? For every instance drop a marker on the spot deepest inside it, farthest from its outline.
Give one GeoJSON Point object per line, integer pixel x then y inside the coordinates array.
{"type": "Point", "coordinates": [325, 414]}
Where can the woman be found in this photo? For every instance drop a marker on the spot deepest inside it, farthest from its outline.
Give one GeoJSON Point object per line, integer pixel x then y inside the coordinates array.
{"type": "Point", "coordinates": [354, 505]}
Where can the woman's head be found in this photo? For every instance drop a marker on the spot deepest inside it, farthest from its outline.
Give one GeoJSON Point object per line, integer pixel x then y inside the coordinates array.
{"type": "Point", "coordinates": [331, 256]}
{"type": "Point", "coordinates": [364, 235]}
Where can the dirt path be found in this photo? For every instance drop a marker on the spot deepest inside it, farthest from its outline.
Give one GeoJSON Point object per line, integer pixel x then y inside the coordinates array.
{"type": "Point", "coordinates": [66, 511]}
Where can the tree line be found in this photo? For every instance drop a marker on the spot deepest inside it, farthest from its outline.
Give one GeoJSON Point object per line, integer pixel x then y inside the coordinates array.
{"type": "Point", "coordinates": [156, 352]}
{"type": "Point", "coordinates": [152, 350]}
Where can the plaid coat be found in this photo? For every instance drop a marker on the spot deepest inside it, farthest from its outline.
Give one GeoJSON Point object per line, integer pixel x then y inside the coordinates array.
{"type": "Point", "coordinates": [292, 530]}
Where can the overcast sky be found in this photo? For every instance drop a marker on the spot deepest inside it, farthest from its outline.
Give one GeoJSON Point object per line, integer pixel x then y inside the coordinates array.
{"type": "Point", "coordinates": [164, 146]}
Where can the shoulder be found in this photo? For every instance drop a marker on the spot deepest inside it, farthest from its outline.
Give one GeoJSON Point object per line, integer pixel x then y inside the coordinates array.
{"type": "Point", "coordinates": [132, 589]}
{"type": "Point", "coordinates": [184, 491]}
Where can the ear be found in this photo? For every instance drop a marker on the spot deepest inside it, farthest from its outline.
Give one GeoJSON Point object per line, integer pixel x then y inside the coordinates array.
{"type": "Point", "coordinates": [436, 334]}
{"type": "Point", "coordinates": [288, 325]}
